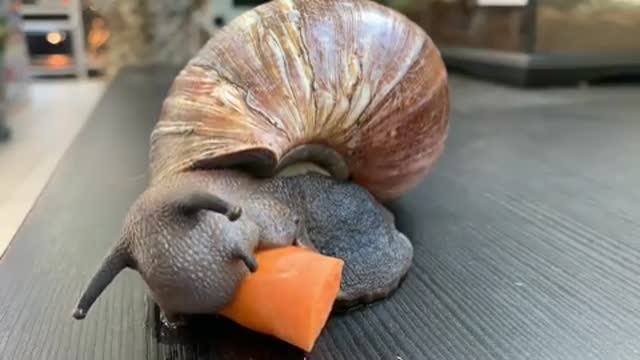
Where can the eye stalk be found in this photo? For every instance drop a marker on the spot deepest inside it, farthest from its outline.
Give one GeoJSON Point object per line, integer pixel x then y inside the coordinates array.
{"type": "Point", "coordinates": [199, 200]}
{"type": "Point", "coordinates": [234, 213]}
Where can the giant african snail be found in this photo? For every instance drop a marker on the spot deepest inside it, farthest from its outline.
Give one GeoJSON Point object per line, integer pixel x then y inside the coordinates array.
{"type": "Point", "coordinates": [351, 88]}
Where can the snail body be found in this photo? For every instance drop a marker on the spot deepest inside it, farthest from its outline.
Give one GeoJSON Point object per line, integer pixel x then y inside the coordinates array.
{"type": "Point", "coordinates": [350, 91]}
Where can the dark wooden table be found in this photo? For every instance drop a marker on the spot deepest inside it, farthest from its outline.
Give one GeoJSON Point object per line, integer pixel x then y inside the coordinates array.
{"type": "Point", "coordinates": [527, 241]}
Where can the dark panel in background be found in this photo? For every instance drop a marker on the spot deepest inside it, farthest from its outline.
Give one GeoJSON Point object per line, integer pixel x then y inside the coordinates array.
{"type": "Point", "coordinates": [587, 26]}
{"type": "Point", "coordinates": [546, 42]}
{"type": "Point", "coordinates": [249, 2]}
{"type": "Point", "coordinates": [463, 24]}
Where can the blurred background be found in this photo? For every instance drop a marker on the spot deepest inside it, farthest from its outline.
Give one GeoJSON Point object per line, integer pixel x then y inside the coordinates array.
{"type": "Point", "coordinates": [59, 55]}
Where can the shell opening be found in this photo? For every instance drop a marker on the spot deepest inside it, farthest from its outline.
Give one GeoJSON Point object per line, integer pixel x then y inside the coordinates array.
{"type": "Point", "coordinates": [300, 168]}
{"type": "Point", "coordinates": [313, 158]}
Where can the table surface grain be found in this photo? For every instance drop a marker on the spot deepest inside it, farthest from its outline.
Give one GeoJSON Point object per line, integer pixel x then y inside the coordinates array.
{"type": "Point", "coordinates": [526, 235]}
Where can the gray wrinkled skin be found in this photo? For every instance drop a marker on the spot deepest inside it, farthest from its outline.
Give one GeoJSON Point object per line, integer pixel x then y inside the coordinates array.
{"type": "Point", "coordinates": [345, 221]}
{"type": "Point", "coordinates": [192, 261]}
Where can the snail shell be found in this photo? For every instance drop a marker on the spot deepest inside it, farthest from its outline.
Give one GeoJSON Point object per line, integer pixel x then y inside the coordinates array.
{"type": "Point", "coordinates": [350, 85]}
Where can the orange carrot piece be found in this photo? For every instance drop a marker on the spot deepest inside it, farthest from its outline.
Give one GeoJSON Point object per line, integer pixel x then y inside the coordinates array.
{"type": "Point", "coordinates": [290, 297]}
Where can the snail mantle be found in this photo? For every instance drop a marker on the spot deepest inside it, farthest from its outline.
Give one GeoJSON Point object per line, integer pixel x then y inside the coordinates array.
{"type": "Point", "coordinates": [351, 87]}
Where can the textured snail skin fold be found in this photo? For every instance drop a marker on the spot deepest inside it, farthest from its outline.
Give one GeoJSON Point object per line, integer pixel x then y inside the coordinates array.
{"type": "Point", "coordinates": [351, 75]}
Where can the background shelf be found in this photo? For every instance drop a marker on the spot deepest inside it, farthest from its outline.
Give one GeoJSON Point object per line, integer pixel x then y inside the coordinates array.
{"type": "Point", "coordinates": [40, 18]}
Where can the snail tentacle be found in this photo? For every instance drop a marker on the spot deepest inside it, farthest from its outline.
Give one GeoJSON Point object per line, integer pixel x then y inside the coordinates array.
{"type": "Point", "coordinates": [201, 200]}
{"type": "Point", "coordinates": [249, 260]}
{"type": "Point", "coordinates": [117, 260]}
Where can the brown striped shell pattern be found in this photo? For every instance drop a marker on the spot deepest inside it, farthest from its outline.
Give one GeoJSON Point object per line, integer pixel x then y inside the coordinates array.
{"type": "Point", "coordinates": [349, 84]}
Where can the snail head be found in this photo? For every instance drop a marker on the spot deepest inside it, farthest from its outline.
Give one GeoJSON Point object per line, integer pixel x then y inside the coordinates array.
{"type": "Point", "coordinates": [190, 246]}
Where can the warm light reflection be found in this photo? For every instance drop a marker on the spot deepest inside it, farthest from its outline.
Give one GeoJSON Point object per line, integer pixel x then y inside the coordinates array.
{"type": "Point", "coordinates": [98, 34]}
{"type": "Point", "coordinates": [58, 60]}
{"type": "Point", "coordinates": [55, 38]}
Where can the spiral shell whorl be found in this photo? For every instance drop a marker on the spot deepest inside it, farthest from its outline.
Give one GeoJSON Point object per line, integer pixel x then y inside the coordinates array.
{"type": "Point", "coordinates": [352, 75]}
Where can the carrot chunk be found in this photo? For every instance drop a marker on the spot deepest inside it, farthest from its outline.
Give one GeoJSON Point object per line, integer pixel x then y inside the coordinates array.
{"type": "Point", "coordinates": [290, 296]}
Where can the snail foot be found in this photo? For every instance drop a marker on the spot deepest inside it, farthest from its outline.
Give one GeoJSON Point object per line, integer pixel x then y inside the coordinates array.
{"type": "Point", "coordinates": [345, 221]}
{"type": "Point", "coordinates": [374, 272]}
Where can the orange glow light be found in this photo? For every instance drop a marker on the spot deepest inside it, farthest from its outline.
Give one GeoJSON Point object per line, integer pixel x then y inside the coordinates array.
{"type": "Point", "coordinates": [58, 60]}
